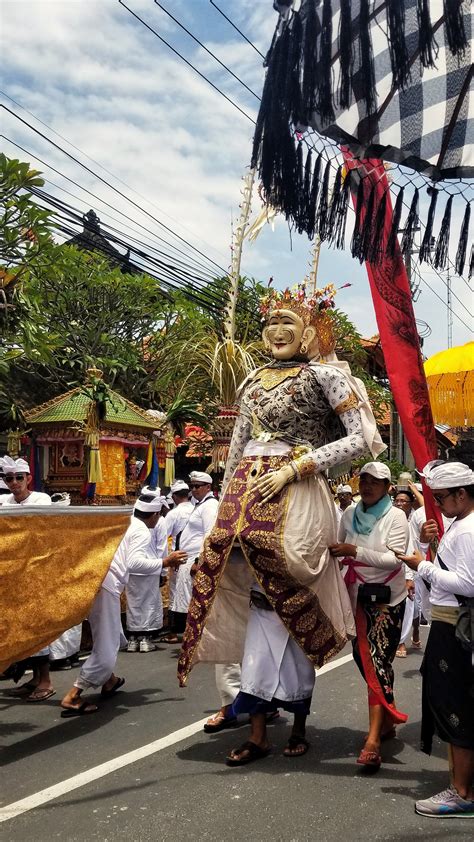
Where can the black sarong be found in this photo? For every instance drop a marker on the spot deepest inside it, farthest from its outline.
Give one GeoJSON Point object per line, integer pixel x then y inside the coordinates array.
{"type": "Point", "coordinates": [448, 690]}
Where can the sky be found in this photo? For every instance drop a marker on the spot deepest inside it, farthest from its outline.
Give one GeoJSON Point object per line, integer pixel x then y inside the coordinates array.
{"type": "Point", "coordinates": [166, 138]}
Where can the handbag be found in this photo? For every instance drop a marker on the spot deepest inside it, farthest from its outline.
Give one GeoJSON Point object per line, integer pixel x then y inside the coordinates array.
{"type": "Point", "coordinates": [464, 630]}
{"type": "Point", "coordinates": [376, 593]}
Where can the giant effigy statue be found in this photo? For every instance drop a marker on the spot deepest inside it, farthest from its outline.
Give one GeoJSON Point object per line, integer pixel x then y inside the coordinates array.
{"type": "Point", "coordinates": [300, 415]}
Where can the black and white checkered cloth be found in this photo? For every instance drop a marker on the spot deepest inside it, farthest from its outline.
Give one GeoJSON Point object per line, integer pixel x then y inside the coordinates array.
{"type": "Point", "coordinates": [428, 125]}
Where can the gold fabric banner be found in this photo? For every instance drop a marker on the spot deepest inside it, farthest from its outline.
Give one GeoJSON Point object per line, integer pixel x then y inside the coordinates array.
{"type": "Point", "coordinates": [51, 568]}
{"type": "Point", "coordinates": [112, 460]}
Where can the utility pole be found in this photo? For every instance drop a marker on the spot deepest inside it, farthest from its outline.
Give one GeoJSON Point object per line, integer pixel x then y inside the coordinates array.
{"type": "Point", "coordinates": [450, 312]}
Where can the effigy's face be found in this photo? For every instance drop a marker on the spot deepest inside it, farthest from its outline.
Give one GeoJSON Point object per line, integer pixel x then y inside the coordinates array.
{"type": "Point", "coordinates": [283, 334]}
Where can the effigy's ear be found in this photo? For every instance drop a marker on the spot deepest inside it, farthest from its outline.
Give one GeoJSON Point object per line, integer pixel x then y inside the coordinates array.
{"type": "Point", "coordinates": [309, 337]}
{"type": "Point", "coordinates": [266, 341]}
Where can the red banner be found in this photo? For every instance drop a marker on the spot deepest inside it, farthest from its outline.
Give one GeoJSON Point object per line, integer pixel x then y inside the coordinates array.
{"type": "Point", "coordinates": [395, 316]}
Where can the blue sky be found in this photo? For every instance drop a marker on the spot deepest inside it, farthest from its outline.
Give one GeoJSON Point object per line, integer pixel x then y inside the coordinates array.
{"type": "Point", "coordinates": [98, 77]}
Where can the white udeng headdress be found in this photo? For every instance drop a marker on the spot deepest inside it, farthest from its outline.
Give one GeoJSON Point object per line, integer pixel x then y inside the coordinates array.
{"type": "Point", "coordinates": [438, 474]}
{"type": "Point", "coordinates": [14, 466]}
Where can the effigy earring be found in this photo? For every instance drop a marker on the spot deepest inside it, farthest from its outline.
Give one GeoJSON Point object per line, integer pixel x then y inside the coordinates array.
{"type": "Point", "coordinates": [303, 348]}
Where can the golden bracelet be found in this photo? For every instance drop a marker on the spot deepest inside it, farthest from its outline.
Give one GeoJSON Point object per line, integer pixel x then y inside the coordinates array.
{"type": "Point", "coordinates": [305, 466]}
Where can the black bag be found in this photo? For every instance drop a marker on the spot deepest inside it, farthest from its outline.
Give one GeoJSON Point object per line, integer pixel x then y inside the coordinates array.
{"type": "Point", "coordinates": [464, 632]}
{"type": "Point", "coordinates": [374, 594]}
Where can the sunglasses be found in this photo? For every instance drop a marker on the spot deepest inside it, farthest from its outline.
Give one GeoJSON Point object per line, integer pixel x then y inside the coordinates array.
{"type": "Point", "coordinates": [194, 485]}
{"type": "Point", "coordinates": [10, 477]}
{"type": "Point", "coordinates": [439, 499]}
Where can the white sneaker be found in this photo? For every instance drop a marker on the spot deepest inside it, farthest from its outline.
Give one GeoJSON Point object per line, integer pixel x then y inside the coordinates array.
{"type": "Point", "coordinates": [147, 646]}
{"type": "Point", "coordinates": [446, 804]}
{"type": "Point", "coordinates": [133, 645]}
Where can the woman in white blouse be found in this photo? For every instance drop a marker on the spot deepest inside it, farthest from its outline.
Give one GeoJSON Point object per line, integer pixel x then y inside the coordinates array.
{"type": "Point", "coordinates": [370, 536]}
{"type": "Point", "coordinates": [448, 669]}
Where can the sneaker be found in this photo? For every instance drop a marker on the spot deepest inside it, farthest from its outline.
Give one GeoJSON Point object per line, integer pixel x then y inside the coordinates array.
{"type": "Point", "coordinates": [133, 645]}
{"type": "Point", "coordinates": [147, 646]}
{"type": "Point", "coordinates": [446, 804]}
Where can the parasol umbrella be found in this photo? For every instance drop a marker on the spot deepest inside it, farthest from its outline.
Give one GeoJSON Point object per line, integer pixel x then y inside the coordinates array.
{"type": "Point", "coordinates": [388, 80]}
{"type": "Point", "coordinates": [450, 376]}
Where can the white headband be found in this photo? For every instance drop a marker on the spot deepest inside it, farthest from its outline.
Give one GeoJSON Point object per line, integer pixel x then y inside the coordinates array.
{"type": "Point", "coordinates": [153, 505]}
{"type": "Point", "coordinates": [438, 475]}
{"type": "Point", "coordinates": [14, 466]}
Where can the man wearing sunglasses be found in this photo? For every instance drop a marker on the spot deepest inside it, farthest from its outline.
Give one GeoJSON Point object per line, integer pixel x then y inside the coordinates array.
{"type": "Point", "coordinates": [17, 477]}
{"type": "Point", "coordinates": [191, 538]}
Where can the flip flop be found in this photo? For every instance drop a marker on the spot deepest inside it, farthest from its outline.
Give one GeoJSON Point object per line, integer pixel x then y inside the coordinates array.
{"type": "Point", "coordinates": [416, 644]}
{"type": "Point", "coordinates": [401, 653]}
{"type": "Point", "coordinates": [369, 759]}
{"type": "Point", "coordinates": [23, 690]}
{"type": "Point", "coordinates": [221, 723]}
{"type": "Point", "coordinates": [170, 638]}
{"type": "Point", "coordinates": [293, 742]}
{"type": "Point", "coordinates": [84, 709]}
{"type": "Point", "coordinates": [107, 694]}
{"type": "Point", "coordinates": [40, 695]}
{"type": "Point", "coordinates": [254, 753]}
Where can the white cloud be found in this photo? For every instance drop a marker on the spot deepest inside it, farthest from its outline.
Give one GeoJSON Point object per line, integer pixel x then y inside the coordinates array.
{"type": "Point", "coordinates": [107, 84]}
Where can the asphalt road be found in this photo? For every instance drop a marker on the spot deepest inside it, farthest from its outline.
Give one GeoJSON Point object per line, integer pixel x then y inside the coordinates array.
{"type": "Point", "coordinates": [179, 788]}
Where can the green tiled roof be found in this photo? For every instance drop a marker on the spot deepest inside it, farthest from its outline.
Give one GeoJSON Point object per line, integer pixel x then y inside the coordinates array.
{"type": "Point", "coordinates": [72, 408]}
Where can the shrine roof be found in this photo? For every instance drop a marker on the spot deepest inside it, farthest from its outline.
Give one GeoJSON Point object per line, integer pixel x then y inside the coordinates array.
{"type": "Point", "coordinates": [72, 407]}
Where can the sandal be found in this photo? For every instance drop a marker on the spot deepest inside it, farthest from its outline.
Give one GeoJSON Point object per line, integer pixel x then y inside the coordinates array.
{"type": "Point", "coordinates": [401, 653]}
{"type": "Point", "coordinates": [416, 644]}
{"type": "Point", "coordinates": [369, 759]}
{"type": "Point", "coordinates": [170, 638]}
{"type": "Point", "coordinates": [254, 753]}
{"type": "Point", "coordinates": [40, 695]}
{"type": "Point", "coordinates": [23, 690]}
{"type": "Point", "coordinates": [219, 722]}
{"type": "Point", "coordinates": [293, 743]}
{"type": "Point", "coordinates": [84, 709]}
{"type": "Point", "coordinates": [107, 694]}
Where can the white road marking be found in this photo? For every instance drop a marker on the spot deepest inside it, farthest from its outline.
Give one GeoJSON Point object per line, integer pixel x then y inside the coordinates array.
{"type": "Point", "coordinates": [12, 811]}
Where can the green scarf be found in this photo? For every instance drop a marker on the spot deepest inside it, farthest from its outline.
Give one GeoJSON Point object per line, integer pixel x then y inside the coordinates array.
{"type": "Point", "coordinates": [364, 520]}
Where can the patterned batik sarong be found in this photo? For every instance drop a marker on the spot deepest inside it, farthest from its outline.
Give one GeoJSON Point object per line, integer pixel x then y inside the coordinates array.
{"type": "Point", "coordinates": [379, 629]}
{"type": "Point", "coordinates": [260, 531]}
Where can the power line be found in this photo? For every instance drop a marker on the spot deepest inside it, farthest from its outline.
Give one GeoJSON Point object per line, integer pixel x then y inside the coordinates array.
{"type": "Point", "coordinates": [150, 28]}
{"type": "Point", "coordinates": [237, 29]}
{"type": "Point", "coordinates": [98, 164]}
{"type": "Point", "coordinates": [107, 183]}
{"type": "Point", "coordinates": [181, 25]}
{"type": "Point", "coordinates": [104, 202]}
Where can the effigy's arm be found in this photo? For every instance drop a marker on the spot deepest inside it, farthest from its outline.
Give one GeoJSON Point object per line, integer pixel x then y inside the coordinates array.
{"type": "Point", "coordinates": [342, 400]}
{"type": "Point", "coordinates": [240, 436]}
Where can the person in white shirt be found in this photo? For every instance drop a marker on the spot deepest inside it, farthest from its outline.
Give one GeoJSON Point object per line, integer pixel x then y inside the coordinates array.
{"type": "Point", "coordinates": [370, 535]}
{"type": "Point", "coordinates": [344, 500]}
{"type": "Point", "coordinates": [144, 604]}
{"type": "Point", "coordinates": [191, 539]}
{"type": "Point", "coordinates": [175, 522]}
{"type": "Point", "coordinates": [448, 669]}
{"type": "Point", "coordinates": [17, 478]}
{"type": "Point", "coordinates": [134, 555]}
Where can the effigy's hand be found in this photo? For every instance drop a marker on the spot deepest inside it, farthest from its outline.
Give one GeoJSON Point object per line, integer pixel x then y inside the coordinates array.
{"type": "Point", "coordinates": [274, 481]}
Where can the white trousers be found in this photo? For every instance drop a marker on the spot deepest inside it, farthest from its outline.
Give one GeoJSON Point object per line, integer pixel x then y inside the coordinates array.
{"type": "Point", "coordinates": [68, 644]}
{"type": "Point", "coordinates": [274, 666]}
{"type": "Point", "coordinates": [228, 682]}
{"type": "Point", "coordinates": [106, 629]}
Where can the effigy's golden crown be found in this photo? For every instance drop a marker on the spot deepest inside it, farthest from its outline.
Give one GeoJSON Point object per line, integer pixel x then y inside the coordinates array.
{"type": "Point", "coordinates": [312, 310]}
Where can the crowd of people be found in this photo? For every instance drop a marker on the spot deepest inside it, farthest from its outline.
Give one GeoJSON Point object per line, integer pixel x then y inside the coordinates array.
{"type": "Point", "coordinates": [273, 579]}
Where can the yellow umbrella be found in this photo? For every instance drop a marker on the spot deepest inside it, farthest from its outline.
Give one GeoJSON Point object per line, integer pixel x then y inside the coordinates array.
{"type": "Point", "coordinates": [450, 376]}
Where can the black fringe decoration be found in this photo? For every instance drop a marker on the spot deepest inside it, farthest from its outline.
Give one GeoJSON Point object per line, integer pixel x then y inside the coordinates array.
{"type": "Point", "coordinates": [338, 232]}
{"type": "Point", "coordinates": [368, 226]}
{"type": "Point", "coordinates": [310, 64]}
{"type": "Point", "coordinates": [376, 245]}
{"type": "Point", "coordinates": [463, 238]}
{"type": "Point", "coordinates": [471, 264]}
{"type": "Point", "coordinates": [357, 233]}
{"type": "Point", "coordinates": [299, 174]}
{"type": "Point", "coordinates": [426, 245]}
{"type": "Point", "coordinates": [324, 84]}
{"type": "Point", "coordinates": [454, 23]}
{"type": "Point", "coordinates": [442, 245]}
{"type": "Point", "coordinates": [366, 57]}
{"type": "Point", "coordinates": [345, 54]}
{"type": "Point", "coordinates": [426, 41]}
{"type": "Point", "coordinates": [411, 226]}
{"type": "Point", "coordinates": [397, 213]}
{"type": "Point", "coordinates": [313, 199]}
{"type": "Point", "coordinates": [335, 199]}
{"type": "Point", "coordinates": [399, 57]}
{"type": "Point", "coordinates": [322, 223]}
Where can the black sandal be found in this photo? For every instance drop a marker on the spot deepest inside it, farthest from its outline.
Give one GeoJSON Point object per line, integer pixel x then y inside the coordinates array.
{"type": "Point", "coordinates": [293, 742]}
{"type": "Point", "coordinates": [107, 694]}
{"type": "Point", "coordinates": [84, 709]}
{"type": "Point", "coordinates": [254, 753]}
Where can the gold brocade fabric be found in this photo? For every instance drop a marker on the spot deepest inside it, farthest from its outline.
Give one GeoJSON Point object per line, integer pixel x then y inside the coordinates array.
{"type": "Point", "coordinates": [445, 614]}
{"type": "Point", "coordinates": [271, 377]}
{"type": "Point", "coordinates": [51, 568]}
{"type": "Point", "coordinates": [352, 402]}
{"type": "Point", "coordinates": [113, 470]}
